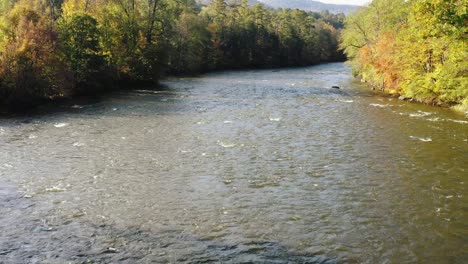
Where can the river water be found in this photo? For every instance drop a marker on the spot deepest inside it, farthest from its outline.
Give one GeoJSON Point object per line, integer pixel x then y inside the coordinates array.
{"type": "Point", "coordinates": [260, 166]}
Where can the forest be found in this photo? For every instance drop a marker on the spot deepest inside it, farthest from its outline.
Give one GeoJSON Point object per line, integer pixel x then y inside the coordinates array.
{"type": "Point", "coordinates": [414, 49]}
{"type": "Point", "coordinates": [53, 49]}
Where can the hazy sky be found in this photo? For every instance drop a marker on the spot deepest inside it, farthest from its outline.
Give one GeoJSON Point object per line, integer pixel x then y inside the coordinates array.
{"type": "Point", "coordinates": [347, 2]}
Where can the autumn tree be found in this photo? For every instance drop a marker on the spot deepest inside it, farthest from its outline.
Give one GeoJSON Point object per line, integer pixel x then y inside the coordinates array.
{"type": "Point", "coordinates": [416, 49]}
{"type": "Point", "coordinates": [30, 67]}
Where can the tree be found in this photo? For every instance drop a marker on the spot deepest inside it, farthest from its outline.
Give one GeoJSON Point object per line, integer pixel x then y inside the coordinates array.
{"type": "Point", "coordinates": [189, 44]}
{"type": "Point", "coordinates": [30, 68]}
{"type": "Point", "coordinates": [79, 38]}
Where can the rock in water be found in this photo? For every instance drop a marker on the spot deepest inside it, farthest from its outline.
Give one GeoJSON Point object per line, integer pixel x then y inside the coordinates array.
{"type": "Point", "coordinates": [335, 87]}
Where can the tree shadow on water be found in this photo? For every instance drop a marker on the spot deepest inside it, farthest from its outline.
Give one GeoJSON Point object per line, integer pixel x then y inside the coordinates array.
{"type": "Point", "coordinates": [136, 99]}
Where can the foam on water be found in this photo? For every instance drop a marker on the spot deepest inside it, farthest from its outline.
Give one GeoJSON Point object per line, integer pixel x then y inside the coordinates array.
{"type": "Point", "coordinates": [60, 125]}
{"type": "Point", "coordinates": [421, 139]}
{"type": "Point", "coordinates": [379, 105]}
{"type": "Point", "coordinates": [459, 121]}
{"type": "Point", "coordinates": [226, 145]}
{"type": "Point", "coordinates": [420, 114]}
{"type": "Point", "coordinates": [55, 189]}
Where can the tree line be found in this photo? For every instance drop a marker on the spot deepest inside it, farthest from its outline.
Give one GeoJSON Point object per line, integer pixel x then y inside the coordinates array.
{"type": "Point", "coordinates": [416, 49]}
{"type": "Point", "coordinates": [59, 48]}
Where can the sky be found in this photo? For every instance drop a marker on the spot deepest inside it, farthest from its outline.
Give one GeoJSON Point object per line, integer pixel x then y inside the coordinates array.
{"type": "Point", "coordinates": [346, 2]}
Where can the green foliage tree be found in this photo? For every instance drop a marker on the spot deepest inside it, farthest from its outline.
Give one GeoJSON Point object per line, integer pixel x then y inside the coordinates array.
{"type": "Point", "coordinates": [79, 37]}
{"type": "Point", "coordinates": [187, 38]}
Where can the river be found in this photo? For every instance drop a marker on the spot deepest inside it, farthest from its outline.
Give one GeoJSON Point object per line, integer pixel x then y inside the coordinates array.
{"type": "Point", "coordinates": [256, 166]}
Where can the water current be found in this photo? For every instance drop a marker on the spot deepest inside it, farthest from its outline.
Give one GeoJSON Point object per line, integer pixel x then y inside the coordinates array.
{"type": "Point", "coordinates": [256, 166]}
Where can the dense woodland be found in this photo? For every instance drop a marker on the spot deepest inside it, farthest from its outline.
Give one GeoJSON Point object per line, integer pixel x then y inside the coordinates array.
{"type": "Point", "coordinates": [59, 48]}
{"type": "Point", "coordinates": [414, 48]}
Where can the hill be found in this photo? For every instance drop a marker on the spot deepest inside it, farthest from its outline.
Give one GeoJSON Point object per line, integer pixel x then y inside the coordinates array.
{"type": "Point", "coordinates": [206, 2]}
{"type": "Point", "coordinates": [310, 5]}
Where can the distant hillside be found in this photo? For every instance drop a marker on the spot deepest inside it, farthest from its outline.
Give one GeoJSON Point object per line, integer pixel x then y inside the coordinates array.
{"type": "Point", "coordinates": [310, 5]}
{"type": "Point", "coordinates": [206, 2]}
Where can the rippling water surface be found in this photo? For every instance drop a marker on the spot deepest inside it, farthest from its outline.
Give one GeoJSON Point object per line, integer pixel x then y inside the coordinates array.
{"type": "Point", "coordinates": [269, 166]}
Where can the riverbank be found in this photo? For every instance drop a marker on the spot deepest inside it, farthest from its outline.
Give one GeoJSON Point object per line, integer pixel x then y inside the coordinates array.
{"type": "Point", "coordinates": [417, 50]}
{"type": "Point", "coordinates": [461, 108]}
{"type": "Point", "coordinates": [64, 103]}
